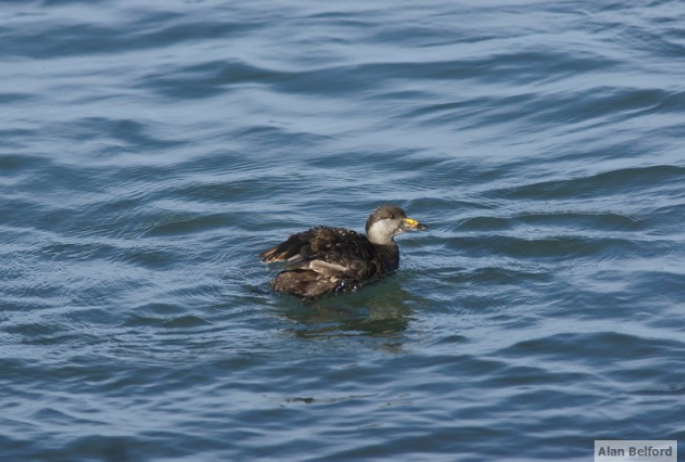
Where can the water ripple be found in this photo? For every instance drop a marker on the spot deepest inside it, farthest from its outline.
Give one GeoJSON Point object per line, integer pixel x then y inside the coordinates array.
{"type": "Point", "coordinates": [151, 151]}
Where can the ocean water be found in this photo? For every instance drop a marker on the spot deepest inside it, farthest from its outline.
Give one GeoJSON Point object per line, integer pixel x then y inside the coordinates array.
{"type": "Point", "coordinates": [152, 149]}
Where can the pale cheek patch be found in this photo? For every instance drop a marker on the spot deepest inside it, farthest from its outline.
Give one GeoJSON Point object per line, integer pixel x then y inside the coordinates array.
{"type": "Point", "coordinates": [382, 231]}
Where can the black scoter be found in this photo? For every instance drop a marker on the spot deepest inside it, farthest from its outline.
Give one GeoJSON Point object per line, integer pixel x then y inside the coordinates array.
{"type": "Point", "coordinates": [325, 260]}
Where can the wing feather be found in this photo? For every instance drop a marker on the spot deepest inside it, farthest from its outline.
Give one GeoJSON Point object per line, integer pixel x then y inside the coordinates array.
{"type": "Point", "coordinates": [333, 251]}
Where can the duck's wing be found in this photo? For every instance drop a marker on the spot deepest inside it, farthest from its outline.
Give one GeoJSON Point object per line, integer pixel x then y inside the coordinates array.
{"type": "Point", "coordinates": [330, 251]}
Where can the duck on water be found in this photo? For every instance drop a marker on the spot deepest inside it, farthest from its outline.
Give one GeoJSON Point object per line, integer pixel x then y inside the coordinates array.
{"type": "Point", "coordinates": [325, 260]}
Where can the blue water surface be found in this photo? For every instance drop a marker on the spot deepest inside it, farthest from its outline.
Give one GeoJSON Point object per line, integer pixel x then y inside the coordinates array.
{"type": "Point", "coordinates": [152, 149]}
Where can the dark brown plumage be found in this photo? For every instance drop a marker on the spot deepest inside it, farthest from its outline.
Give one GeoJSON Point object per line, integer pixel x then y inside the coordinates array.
{"type": "Point", "coordinates": [325, 260]}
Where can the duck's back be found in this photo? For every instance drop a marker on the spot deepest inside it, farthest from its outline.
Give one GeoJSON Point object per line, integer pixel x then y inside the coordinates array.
{"type": "Point", "coordinates": [327, 260]}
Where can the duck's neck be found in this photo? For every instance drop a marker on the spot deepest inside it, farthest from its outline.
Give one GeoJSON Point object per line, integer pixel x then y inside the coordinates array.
{"type": "Point", "coordinates": [388, 255]}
